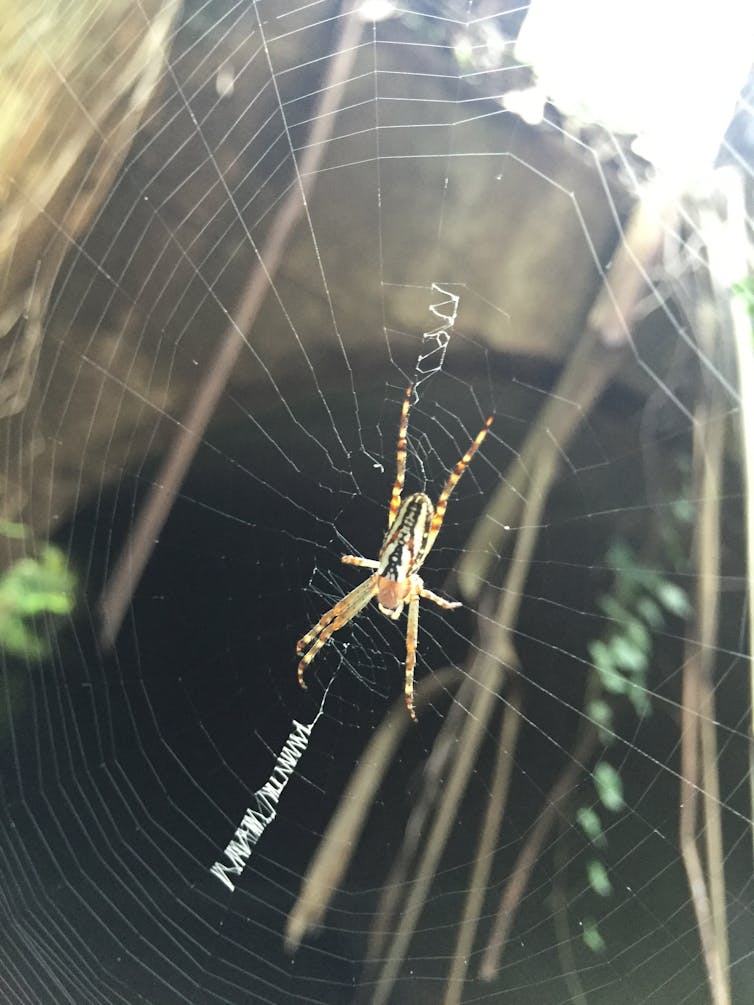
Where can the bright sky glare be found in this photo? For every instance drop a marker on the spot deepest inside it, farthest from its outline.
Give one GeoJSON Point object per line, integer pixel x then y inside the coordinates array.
{"type": "Point", "coordinates": [667, 70]}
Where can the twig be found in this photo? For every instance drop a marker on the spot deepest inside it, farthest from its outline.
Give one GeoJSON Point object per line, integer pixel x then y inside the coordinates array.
{"type": "Point", "coordinates": [527, 858]}
{"type": "Point", "coordinates": [435, 769]}
{"type": "Point", "coordinates": [699, 741]}
{"type": "Point", "coordinates": [136, 551]}
{"type": "Point", "coordinates": [488, 677]}
{"type": "Point", "coordinates": [715, 231]}
{"type": "Point", "coordinates": [493, 819]}
{"type": "Point", "coordinates": [739, 254]}
{"type": "Point", "coordinates": [342, 835]}
{"type": "Point", "coordinates": [692, 712]}
{"type": "Point", "coordinates": [601, 351]}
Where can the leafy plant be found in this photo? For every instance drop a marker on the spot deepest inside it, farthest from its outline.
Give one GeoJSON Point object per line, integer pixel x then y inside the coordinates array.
{"type": "Point", "coordinates": [745, 290]}
{"type": "Point", "coordinates": [637, 607]}
{"type": "Point", "coordinates": [31, 590]}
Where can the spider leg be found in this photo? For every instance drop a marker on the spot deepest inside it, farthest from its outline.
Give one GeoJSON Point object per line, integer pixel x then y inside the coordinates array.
{"type": "Point", "coordinates": [332, 620]}
{"type": "Point", "coordinates": [450, 484]}
{"type": "Point", "coordinates": [363, 563]}
{"type": "Point", "coordinates": [412, 635]}
{"type": "Point", "coordinates": [447, 605]}
{"type": "Point", "coordinates": [400, 477]}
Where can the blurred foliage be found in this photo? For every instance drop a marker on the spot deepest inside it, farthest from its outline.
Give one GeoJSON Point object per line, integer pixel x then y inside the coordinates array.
{"type": "Point", "coordinates": [31, 590]}
{"type": "Point", "coordinates": [589, 821]}
{"type": "Point", "coordinates": [637, 606]}
{"type": "Point", "coordinates": [609, 787]}
{"type": "Point", "coordinates": [598, 878]}
{"type": "Point", "coordinates": [592, 937]}
{"type": "Point", "coordinates": [745, 290]}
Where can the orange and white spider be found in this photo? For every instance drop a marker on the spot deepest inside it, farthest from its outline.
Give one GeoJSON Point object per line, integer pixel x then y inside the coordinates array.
{"type": "Point", "coordinates": [412, 526]}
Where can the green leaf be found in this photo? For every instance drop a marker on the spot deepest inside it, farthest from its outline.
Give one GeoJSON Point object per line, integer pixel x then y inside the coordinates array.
{"type": "Point", "coordinates": [29, 588]}
{"type": "Point", "coordinates": [601, 714]}
{"type": "Point", "coordinates": [609, 786]}
{"type": "Point", "coordinates": [672, 598]}
{"type": "Point", "coordinates": [613, 681]}
{"type": "Point", "coordinates": [32, 586]}
{"type": "Point", "coordinates": [19, 638]}
{"type": "Point", "coordinates": [638, 634]}
{"type": "Point", "coordinates": [592, 938]}
{"type": "Point", "coordinates": [627, 655]}
{"type": "Point", "coordinates": [598, 878]}
{"type": "Point", "coordinates": [590, 823]}
{"type": "Point", "coordinates": [610, 679]}
{"type": "Point", "coordinates": [599, 653]}
{"type": "Point", "coordinates": [648, 609]}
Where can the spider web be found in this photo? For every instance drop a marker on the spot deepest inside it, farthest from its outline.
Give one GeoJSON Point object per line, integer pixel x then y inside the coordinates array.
{"type": "Point", "coordinates": [201, 391]}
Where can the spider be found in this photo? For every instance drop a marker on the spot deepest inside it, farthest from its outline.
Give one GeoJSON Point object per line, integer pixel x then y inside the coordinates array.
{"type": "Point", "coordinates": [412, 526]}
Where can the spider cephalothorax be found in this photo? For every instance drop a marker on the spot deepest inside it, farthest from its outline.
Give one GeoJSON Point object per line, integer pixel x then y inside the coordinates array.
{"type": "Point", "coordinates": [412, 527]}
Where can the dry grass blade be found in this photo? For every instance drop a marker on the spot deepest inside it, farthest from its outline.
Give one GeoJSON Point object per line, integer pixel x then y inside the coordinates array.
{"type": "Point", "coordinates": [493, 819]}
{"type": "Point", "coordinates": [341, 838]}
{"type": "Point", "coordinates": [487, 673]}
{"type": "Point", "coordinates": [138, 547]}
{"type": "Point", "coordinates": [554, 807]}
{"type": "Point", "coordinates": [699, 757]}
{"type": "Point", "coordinates": [600, 353]}
{"type": "Point", "coordinates": [694, 707]}
{"type": "Point", "coordinates": [737, 248]}
{"type": "Point", "coordinates": [435, 769]}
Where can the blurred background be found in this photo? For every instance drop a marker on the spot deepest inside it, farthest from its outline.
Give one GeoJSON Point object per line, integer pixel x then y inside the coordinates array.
{"type": "Point", "coordinates": [231, 234]}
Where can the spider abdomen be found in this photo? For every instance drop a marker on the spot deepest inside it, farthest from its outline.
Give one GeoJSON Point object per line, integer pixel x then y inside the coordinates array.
{"type": "Point", "coordinates": [405, 546]}
{"type": "Point", "coordinates": [392, 595]}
